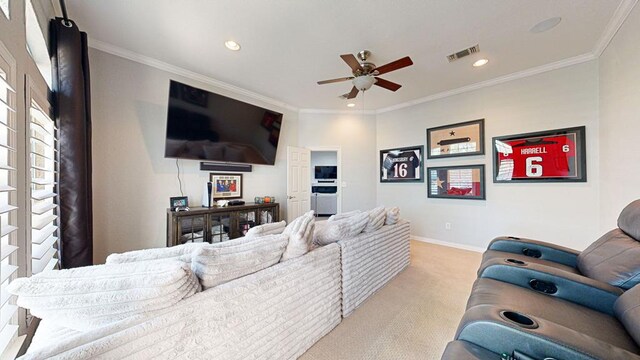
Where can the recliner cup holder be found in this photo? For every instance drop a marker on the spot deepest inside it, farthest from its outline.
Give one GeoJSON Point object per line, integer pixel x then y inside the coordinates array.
{"type": "Point", "coordinates": [519, 319]}
{"type": "Point", "coordinates": [516, 262]}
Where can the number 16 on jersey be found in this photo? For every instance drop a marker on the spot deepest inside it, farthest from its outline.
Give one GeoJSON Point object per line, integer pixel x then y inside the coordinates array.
{"type": "Point", "coordinates": [402, 164]}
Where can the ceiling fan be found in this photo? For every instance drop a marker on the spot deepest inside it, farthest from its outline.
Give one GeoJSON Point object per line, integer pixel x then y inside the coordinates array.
{"type": "Point", "coordinates": [365, 74]}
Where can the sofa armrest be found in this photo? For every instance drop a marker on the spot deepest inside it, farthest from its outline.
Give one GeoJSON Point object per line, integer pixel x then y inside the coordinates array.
{"type": "Point", "coordinates": [534, 248]}
{"type": "Point", "coordinates": [572, 287]}
{"type": "Point", "coordinates": [500, 331]}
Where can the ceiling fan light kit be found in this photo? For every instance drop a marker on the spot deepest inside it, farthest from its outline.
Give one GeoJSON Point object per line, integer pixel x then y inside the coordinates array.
{"type": "Point", "coordinates": [365, 73]}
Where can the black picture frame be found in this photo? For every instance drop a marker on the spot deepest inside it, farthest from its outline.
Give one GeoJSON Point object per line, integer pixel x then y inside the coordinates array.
{"type": "Point", "coordinates": [178, 202]}
{"type": "Point", "coordinates": [222, 186]}
{"type": "Point", "coordinates": [392, 157]}
{"type": "Point", "coordinates": [437, 186]}
{"type": "Point", "coordinates": [542, 148]}
{"type": "Point", "coordinates": [470, 130]}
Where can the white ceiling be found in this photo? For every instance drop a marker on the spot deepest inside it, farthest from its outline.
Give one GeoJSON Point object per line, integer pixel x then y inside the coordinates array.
{"type": "Point", "coordinates": [288, 45]}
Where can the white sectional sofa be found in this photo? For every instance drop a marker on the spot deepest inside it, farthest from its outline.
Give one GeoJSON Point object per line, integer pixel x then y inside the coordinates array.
{"type": "Point", "coordinates": [370, 260]}
{"type": "Point", "coordinates": [275, 313]}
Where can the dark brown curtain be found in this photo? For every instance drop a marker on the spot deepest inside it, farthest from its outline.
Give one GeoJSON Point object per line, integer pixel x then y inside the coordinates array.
{"type": "Point", "coordinates": [73, 117]}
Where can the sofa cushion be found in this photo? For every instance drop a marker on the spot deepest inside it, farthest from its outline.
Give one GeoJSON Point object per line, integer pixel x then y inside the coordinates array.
{"type": "Point", "coordinates": [489, 256]}
{"type": "Point", "coordinates": [347, 228]}
{"type": "Point", "coordinates": [614, 259]}
{"type": "Point", "coordinates": [376, 219]}
{"type": "Point", "coordinates": [267, 229]}
{"type": "Point", "coordinates": [215, 264]}
{"type": "Point", "coordinates": [88, 297]}
{"type": "Point", "coordinates": [629, 220]}
{"type": "Point", "coordinates": [300, 232]}
{"type": "Point", "coordinates": [344, 215]}
{"type": "Point", "coordinates": [627, 310]}
{"type": "Point", "coordinates": [179, 252]}
{"type": "Point", "coordinates": [393, 216]}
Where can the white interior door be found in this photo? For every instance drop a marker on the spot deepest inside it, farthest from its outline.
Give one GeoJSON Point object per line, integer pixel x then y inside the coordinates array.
{"type": "Point", "coordinates": [298, 182]}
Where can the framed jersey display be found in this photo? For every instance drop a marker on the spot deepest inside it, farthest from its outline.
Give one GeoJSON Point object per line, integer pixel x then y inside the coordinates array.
{"type": "Point", "coordinates": [456, 182]}
{"type": "Point", "coordinates": [462, 139]}
{"type": "Point", "coordinates": [401, 165]}
{"type": "Point", "coordinates": [545, 156]}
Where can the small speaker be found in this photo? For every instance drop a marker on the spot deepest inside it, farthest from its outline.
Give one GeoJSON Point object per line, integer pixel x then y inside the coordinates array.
{"type": "Point", "coordinates": [212, 166]}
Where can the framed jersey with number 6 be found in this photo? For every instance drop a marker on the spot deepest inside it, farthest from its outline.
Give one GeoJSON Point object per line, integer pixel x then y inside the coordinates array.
{"type": "Point", "coordinates": [545, 156]}
{"type": "Point", "coordinates": [402, 165]}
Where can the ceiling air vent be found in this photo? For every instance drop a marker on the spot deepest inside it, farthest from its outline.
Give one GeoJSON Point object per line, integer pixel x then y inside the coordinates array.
{"type": "Point", "coordinates": [463, 53]}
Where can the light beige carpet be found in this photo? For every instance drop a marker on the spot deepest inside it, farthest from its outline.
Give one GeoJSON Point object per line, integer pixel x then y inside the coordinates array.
{"type": "Point", "coordinates": [413, 317]}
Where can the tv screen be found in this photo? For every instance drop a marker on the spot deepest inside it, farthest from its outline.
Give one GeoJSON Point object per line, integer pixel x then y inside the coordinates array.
{"type": "Point", "coordinates": [202, 125]}
{"type": "Point", "coordinates": [326, 172]}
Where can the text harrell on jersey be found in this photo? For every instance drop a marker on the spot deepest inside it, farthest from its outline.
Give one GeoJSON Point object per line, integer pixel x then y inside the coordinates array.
{"type": "Point", "coordinates": [401, 165]}
{"type": "Point", "coordinates": [547, 157]}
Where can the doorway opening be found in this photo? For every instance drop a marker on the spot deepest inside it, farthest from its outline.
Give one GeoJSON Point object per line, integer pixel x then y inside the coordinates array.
{"type": "Point", "coordinates": [326, 189]}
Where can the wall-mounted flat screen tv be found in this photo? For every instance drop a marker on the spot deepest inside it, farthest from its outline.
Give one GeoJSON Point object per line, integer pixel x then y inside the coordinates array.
{"type": "Point", "coordinates": [202, 125]}
{"type": "Point", "coordinates": [326, 172]}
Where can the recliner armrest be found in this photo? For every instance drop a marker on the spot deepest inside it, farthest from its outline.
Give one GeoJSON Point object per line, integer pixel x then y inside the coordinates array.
{"type": "Point", "coordinates": [539, 249]}
{"type": "Point", "coordinates": [554, 282]}
{"type": "Point", "coordinates": [487, 326]}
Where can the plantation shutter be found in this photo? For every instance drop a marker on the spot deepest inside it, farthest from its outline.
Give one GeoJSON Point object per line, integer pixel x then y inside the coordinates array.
{"type": "Point", "coordinates": [8, 213]}
{"type": "Point", "coordinates": [43, 166]}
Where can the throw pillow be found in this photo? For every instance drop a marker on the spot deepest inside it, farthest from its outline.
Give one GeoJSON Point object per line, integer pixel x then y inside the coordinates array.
{"type": "Point", "coordinates": [393, 216]}
{"type": "Point", "coordinates": [215, 264]}
{"type": "Point", "coordinates": [179, 252]}
{"type": "Point", "coordinates": [300, 233]}
{"type": "Point", "coordinates": [267, 229]}
{"type": "Point", "coordinates": [333, 231]}
{"type": "Point", "coordinates": [344, 215]}
{"type": "Point", "coordinates": [376, 219]}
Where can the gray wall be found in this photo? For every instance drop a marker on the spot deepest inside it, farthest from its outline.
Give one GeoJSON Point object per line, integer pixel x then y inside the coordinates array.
{"type": "Point", "coordinates": [132, 180]}
{"type": "Point", "coordinates": [620, 122]}
{"type": "Point", "coordinates": [563, 213]}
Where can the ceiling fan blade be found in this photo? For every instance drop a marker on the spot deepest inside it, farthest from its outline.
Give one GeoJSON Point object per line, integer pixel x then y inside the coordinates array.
{"type": "Point", "coordinates": [353, 93]}
{"type": "Point", "coordinates": [334, 80]}
{"type": "Point", "coordinates": [352, 62]}
{"type": "Point", "coordinates": [395, 65]}
{"type": "Point", "coordinates": [387, 84]}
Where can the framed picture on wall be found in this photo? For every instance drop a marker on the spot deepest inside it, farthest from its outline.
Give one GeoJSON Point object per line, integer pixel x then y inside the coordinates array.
{"type": "Point", "coordinates": [462, 139]}
{"type": "Point", "coordinates": [226, 186]}
{"type": "Point", "coordinates": [456, 182]}
{"type": "Point", "coordinates": [545, 156]}
{"type": "Point", "coordinates": [402, 164]}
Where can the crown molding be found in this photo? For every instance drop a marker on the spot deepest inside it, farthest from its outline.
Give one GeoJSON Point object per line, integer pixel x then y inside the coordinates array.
{"type": "Point", "coordinates": [495, 81]}
{"type": "Point", "coordinates": [338, 112]}
{"type": "Point", "coordinates": [145, 60]}
{"type": "Point", "coordinates": [615, 23]}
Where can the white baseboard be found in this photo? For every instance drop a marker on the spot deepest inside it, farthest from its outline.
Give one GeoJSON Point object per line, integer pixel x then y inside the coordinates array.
{"type": "Point", "coordinates": [449, 244]}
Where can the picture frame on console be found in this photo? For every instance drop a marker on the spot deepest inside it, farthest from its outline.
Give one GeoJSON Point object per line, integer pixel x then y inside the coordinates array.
{"type": "Point", "coordinates": [402, 165]}
{"type": "Point", "coordinates": [226, 186]}
{"type": "Point", "coordinates": [461, 139]}
{"type": "Point", "coordinates": [545, 156]}
{"type": "Point", "coordinates": [456, 182]}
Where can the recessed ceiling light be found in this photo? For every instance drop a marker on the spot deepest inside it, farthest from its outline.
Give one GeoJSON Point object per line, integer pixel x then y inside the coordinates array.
{"type": "Point", "coordinates": [545, 25]}
{"type": "Point", "coordinates": [480, 62]}
{"type": "Point", "coordinates": [351, 104]}
{"type": "Point", "coordinates": [232, 45]}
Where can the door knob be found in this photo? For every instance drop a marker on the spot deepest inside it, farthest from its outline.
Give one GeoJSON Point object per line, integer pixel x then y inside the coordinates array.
{"type": "Point", "coordinates": [291, 197]}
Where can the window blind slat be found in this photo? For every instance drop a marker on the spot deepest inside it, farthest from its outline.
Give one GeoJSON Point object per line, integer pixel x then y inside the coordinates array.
{"type": "Point", "coordinates": [42, 168]}
{"type": "Point", "coordinates": [42, 181]}
{"type": "Point", "coordinates": [4, 295]}
{"type": "Point", "coordinates": [7, 335]}
{"type": "Point", "coordinates": [4, 84]}
{"type": "Point", "coordinates": [40, 250]}
{"type": "Point", "coordinates": [4, 105]}
{"type": "Point", "coordinates": [6, 271]}
{"type": "Point", "coordinates": [8, 229]}
{"type": "Point", "coordinates": [7, 250]}
{"type": "Point", "coordinates": [4, 208]}
{"type": "Point", "coordinates": [5, 188]}
{"type": "Point", "coordinates": [44, 234]}
{"type": "Point", "coordinates": [39, 210]}
{"type": "Point", "coordinates": [40, 224]}
{"type": "Point", "coordinates": [6, 313]}
{"type": "Point", "coordinates": [42, 194]}
{"type": "Point", "coordinates": [38, 265]}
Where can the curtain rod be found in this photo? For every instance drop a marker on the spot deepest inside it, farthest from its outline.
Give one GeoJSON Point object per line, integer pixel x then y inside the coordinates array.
{"type": "Point", "coordinates": [65, 16]}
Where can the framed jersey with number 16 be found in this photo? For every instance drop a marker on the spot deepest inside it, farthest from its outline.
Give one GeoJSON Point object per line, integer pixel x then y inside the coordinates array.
{"type": "Point", "coordinates": [544, 156]}
{"type": "Point", "coordinates": [402, 164]}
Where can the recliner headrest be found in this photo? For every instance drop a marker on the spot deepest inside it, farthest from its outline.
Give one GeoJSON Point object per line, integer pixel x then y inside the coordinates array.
{"type": "Point", "coordinates": [629, 220]}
